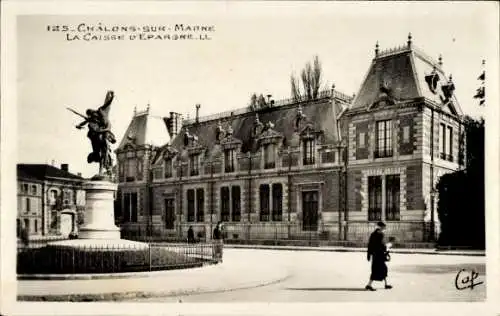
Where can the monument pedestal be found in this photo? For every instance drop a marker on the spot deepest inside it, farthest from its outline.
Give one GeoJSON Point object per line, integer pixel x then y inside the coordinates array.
{"type": "Point", "coordinates": [99, 211]}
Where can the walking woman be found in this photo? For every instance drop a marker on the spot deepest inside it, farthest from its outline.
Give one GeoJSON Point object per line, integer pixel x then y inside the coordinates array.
{"type": "Point", "coordinates": [377, 252]}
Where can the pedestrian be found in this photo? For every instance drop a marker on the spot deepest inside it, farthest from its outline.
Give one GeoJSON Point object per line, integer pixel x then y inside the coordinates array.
{"type": "Point", "coordinates": [377, 253]}
{"type": "Point", "coordinates": [218, 241]}
{"type": "Point", "coordinates": [190, 235]}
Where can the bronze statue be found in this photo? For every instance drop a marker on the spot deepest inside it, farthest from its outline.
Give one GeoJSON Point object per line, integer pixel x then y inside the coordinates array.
{"type": "Point", "coordinates": [100, 134]}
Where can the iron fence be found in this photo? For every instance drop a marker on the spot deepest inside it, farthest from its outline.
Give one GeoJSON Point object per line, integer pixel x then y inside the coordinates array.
{"type": "Point", "coordinates": [353, 233]}
{"type": "Point", "coordinates": [52, 259]}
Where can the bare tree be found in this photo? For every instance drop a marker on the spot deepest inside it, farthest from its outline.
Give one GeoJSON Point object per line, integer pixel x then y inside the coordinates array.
{"type": "Point", "coordinates": [295, 88]}
{"type": "Point", "coordinates": [261, 102]}
{"type": "Point", "coordinates": [311, 81]}
{"type": "Point", "coordinates": [316, 77]}
{"type": "Point", "coordinates": [253, 102]}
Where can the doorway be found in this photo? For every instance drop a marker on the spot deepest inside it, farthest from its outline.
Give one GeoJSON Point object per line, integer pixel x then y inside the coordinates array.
{"type": "Point", "coordinates": [310, 210]}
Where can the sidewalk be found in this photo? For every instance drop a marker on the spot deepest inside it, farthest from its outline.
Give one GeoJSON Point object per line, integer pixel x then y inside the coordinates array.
{"type": "Point", "coordinates": [231, 275]}
{"type": "Point", "coordinates": [352, 249]}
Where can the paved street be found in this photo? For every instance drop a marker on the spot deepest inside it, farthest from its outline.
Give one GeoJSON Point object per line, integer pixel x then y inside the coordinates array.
{"type": "Point", "coordinates": [341, 276]}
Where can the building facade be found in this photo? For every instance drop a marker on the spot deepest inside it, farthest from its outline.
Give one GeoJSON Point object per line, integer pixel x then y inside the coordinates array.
{"type": "Point", "coordinates": [329, 167]}
{"type": "Point", "coordinates": [48, 200]}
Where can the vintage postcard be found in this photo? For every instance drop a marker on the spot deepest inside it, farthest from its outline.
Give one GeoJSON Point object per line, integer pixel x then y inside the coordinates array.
{"type": "Point", "coordinates": [270, 157]}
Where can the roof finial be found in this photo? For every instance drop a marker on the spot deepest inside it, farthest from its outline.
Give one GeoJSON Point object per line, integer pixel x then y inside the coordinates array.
{"type": "Point", "coordinates": [333, 86]}
{"type": "Point", "coordinates": [450, 78]}
{"type": "Point", "coordinates": [440, 60]}
{"type": "Point", "coordinates": [135, 110]}
{"type": "Point", "coordinates": [376, 49]}
{"type": "Point", "coordinates": [409, 39]}
{"type": "Point", "coordinates": [147, 108]}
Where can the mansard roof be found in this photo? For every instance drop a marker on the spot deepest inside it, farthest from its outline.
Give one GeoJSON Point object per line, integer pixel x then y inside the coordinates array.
{"type": "Point", "coordinates": [44, 172]}
{"type": "Point", "coordinates": [400, 75]}
{"type": "Point", "coordinates": [321, 114]}
{"type": "Point", "coordinates": [145, 129]}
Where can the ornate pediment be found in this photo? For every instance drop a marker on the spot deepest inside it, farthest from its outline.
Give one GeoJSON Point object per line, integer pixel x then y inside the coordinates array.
{"type": "Point", "coordinates": [269, 135]}
{"type": "Point", "coordinates": [228, 141]}
{"type": "Point", "coordinates": [309, 132]}
{"type": "Point", "coordinates": [448, 90]}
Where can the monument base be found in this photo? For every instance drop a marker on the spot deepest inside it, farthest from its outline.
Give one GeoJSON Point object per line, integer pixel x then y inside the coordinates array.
{"type": "Point", "coordinates": [99, 244]}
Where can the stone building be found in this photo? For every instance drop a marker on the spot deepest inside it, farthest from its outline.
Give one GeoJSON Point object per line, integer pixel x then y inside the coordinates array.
{"type": "Point", "coordinates": [48, 199]}
{"type": "Point", "coordinates": [327, 168]}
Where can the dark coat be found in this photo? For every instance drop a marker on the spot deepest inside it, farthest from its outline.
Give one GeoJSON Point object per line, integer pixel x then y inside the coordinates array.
{"type": "Point", "coordinates": [217, 233]}
{"type": "Point", "coordinates": [190, 235]}
{"type": "Point", "coordinates": [377, 253]}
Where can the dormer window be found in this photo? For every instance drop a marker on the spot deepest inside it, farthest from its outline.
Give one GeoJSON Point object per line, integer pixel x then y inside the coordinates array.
{"type": "Point", "coordinates": [194, 164]}
{"type": "Point", "coordinates": [168, 168]}
{"type": "Point", "coordinates": [269, 156]}
{"type": "Point", "coordinates": [229, 160]}
{"type": "Point", "coordinates": [131, 169]}
{"type": "Point", "coordinates": [308, 155]}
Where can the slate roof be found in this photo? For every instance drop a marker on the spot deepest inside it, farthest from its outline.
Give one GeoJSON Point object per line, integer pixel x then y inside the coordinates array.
{"type": "Point", "coordinates": [42, 172]}
{"type": "Point", "coordinates": [403, 69]}
{"type": "Point", "coordinates": [146, 129]}
{"type": "Point", "coordinates": [322, 114]}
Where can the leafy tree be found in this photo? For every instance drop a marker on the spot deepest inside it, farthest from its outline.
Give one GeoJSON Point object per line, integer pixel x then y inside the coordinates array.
{"type": "Point", "coordinates": [461, 194]}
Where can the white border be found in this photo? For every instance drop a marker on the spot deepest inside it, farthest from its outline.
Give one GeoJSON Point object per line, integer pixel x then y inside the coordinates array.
{"type": "Point", "coordinates": [11, 9]}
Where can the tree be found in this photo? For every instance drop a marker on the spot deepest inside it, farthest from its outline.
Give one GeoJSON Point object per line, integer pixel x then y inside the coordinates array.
{"type": "Point", "coordinates": [253, 102]}
{"type": "Point", "coordinates": [461, 194]}
{"type": "Point", "coordinates": [311, 76]}
{"type": "Point", "coordinates": [295, 88]}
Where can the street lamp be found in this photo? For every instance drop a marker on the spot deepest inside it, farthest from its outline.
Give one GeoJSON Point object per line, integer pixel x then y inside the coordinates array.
{"type": "Point", "coordinates": [179, 168]}
{"type": "Point", "coordinates": [434, 193]}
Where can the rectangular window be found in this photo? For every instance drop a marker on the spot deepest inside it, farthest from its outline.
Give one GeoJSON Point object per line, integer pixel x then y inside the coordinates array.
{"type": "Point", "coordinates": [361, 140]}
{"type": "Point", "coordinates": [200, 205]}
{"type": "Point", "coordinates": [168, 168]}
{"type": "Point", "coordinates": [190, 205]}
{"type": "Point", "coordinates": [449, 152]}
{"type": "Point", "coordinates": [36, 225]}
{"type": "Point", "coordinates": [28, 205]}
{"type": "Point", "coordinates": [406, 134]}
{"type": "Point", "coordinates": [374, 198]}
{"type": "Point", "coordinates": [27, 225]}
{"type": "Point", "coordinates": [194, 165]}
{"type": "Point", "coordinates": [269, 159]}
{"type": "Point", "coordinates": [392, 197]}
{"type": "Point", "coordinates": [158, 173]}
{"type": "Point", "coordinates": [229, 160]}
{"type": "Point", "coordinates": [224, 204]}
{"type": "Point", "coordinates": [33, 190]}
{"type": "Point", "coordinates": [131, 170]}
{"type": "Point", "coordinates": [308, 152]}
{"type": "Point", "coordinates": [25, 188]}
{"type": "Point", "coordinates": [384, 139]}
{"type": "Point", "coordinates": [442, 141]}
{"type": "Point", "coordinates": [277, 202]}
{"type": "Point", "coordinates": [130, 207]}
{"type": "Point", "coordinates": [236, 204]}
{"type": "Point", "coordinates": [169, 213]}
{"type": "Point", "coordinates": [264, 202]}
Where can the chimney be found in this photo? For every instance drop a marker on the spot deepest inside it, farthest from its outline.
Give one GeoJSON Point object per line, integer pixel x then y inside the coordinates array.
{"type": "Point", "coordinates": [175, 124]}
{"type": "Point", "coordinates": [65, 167]}
{"type": "Point", "coordinates": [198, 113]}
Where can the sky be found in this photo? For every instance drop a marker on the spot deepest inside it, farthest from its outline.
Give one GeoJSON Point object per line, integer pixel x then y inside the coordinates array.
{"type": "Point", "coordinates": [254, 48]}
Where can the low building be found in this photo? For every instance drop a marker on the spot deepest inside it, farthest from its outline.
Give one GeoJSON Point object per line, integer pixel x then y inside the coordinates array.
{"type": "Point", "coordinates": [328, 167]}
{"type": "Point", "coordinates": [48, 199]}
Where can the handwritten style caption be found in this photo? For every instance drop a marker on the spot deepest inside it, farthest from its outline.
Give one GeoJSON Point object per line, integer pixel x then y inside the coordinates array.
{"type": "Point", "coordinates": [102, 32]}
{"type": "Point", "coordinates": [466, 279]}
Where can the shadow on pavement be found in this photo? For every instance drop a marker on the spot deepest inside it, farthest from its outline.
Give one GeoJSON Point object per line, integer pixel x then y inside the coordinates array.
{"type": "Point", "coordinates": [342, 289]}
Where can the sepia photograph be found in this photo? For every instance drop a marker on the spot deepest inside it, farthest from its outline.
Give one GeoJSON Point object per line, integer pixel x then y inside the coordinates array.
{"type": "Point", "coordinates": [250, 152]}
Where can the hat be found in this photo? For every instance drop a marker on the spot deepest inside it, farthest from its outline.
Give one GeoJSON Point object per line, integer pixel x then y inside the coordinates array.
{"type": "Point", "coordinates": [381, 224]}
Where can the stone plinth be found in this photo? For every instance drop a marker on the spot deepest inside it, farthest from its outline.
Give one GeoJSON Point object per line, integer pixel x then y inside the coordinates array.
{"type": "Point", "coordinates": [99, 211]}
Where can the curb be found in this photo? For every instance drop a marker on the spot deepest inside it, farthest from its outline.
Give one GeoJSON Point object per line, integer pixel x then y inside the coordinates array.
{"type": "Point", "coordinates": [102, 276]}
{"type": "Point", "coordinates": [323, 249]}
{"type": "Point", "coordinates": [116, 296]}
